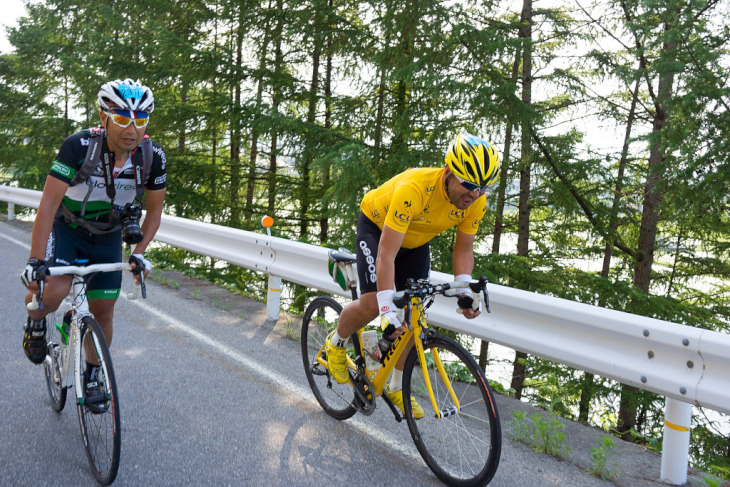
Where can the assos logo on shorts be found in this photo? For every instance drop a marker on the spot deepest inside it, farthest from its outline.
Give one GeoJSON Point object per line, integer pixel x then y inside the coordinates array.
{"type": "Point", "coordinates": [369, 259]}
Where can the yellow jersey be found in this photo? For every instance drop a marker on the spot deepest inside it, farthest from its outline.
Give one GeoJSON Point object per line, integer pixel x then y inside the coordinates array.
{"type": "Point", "coordinates": [415, 203]}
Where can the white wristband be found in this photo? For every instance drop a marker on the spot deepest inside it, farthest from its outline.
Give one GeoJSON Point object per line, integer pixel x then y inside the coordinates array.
{"type": "Point", "coordinates": [463, 277]}
{"type": "Point", "coordinates": [385, 301]}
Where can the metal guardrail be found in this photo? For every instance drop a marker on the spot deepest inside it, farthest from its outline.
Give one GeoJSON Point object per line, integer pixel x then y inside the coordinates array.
{"type": "Point", "coordinates": [680, 362]}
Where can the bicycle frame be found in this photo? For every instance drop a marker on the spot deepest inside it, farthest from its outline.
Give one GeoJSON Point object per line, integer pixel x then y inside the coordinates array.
{"type": "Point", "coordinates": [445, 398]}
{"type": "Point", "coordinates": [79, 310]}
{"type": "Point", "coordinates": [414, 332]}
{"type": "Point", "coordinates": [70, 375]}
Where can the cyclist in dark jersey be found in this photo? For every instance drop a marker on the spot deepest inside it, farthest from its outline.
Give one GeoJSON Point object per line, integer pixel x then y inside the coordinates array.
{"type": "Point", "coordinates": [81, 219]}
{"type": "Point", "coordinates": [397, 222]}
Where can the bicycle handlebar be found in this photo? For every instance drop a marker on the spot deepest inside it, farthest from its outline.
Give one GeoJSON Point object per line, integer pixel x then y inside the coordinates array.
{"type": "Point", "coordinates": [74, 270]}
{"type": "Point", "coordinates": [424, 288]}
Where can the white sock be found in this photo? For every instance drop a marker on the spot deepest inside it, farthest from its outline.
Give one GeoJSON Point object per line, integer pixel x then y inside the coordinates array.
{"type": "Point", "coordinates": [338, 341]}
{"type": "Point", "coordinates": [396, 381]}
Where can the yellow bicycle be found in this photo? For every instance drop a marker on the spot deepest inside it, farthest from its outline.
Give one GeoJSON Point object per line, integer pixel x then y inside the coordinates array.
{"type": "Point", "coordinates": [460, 436]}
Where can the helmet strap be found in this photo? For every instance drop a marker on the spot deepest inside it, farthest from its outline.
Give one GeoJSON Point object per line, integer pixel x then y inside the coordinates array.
{"type": "Point", "coordinates": [446, 179]}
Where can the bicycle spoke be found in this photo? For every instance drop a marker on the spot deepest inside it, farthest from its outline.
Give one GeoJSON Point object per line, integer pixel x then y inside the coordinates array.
{"type": "Point", "coordinates": [54, 363]}
{"type": "Point", "coordinates": [99, 422]}
{"type": "Point", "coordinates": [320, 319]}
{"type": "Point", "coordinates": [464, 446]}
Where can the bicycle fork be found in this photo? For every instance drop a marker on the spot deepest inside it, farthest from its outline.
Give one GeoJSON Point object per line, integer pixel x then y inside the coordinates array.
{"type": "Point", "coordinates": [419, 333]}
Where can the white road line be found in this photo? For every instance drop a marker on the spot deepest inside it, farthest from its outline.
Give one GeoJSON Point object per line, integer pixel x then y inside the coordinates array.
{"type": "Point", "coordinates": [25, 245]}
{"type": "Point", "coordinates": [378, 434]}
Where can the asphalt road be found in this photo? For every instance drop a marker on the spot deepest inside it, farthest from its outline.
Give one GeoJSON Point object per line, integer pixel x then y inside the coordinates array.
{"type": "Point", "coordinates": [213, 394]}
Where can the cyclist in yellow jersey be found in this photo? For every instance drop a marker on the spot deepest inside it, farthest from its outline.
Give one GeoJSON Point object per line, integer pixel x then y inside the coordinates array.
{"type": "Point", "coordinates": [396, 224]}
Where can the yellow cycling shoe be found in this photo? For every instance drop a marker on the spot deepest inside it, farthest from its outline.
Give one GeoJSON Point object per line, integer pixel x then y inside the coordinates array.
{"type": "Point", "coordinates": [336, 361]}
{"type": "Point", "coordinates": [397, 399]}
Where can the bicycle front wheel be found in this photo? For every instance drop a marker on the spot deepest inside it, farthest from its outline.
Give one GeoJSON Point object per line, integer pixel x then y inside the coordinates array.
{"type": "Point", "coordinates": [56, 347]}
{"type": "Point", "coordinates": [99, 421]}
{"type": "Point", "coordinates": [461, 445]}
{"type": "Point", "coordinates": [320, 319]}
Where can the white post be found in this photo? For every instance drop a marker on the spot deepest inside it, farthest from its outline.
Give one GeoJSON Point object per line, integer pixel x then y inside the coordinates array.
{"type": "Point", "coordinates": [675, 449]}
{"type": "Point", "coordinates": [273, 295]}
{"type": "Point", "coordinates": [11, 212]}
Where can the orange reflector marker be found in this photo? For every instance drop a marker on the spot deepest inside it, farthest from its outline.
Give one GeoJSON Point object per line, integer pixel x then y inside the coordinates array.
{"type": "Point", "coordinates": [267, 221]}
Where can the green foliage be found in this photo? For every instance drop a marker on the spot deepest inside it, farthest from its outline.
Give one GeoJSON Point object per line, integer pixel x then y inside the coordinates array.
{"type": "Point", "coordinates": [601, 465]}
{"type": "Point", "coordinates": [548, 437]}
{"type": "Point", "coordinates": [521, 430]}
{"type": "Point", "coordinates": [709, 446]}
{"type": "Point", "coordinates": [551, 278]}
{"type": "Point", "coordinates": [711, 481]}
{"type": "Point", "coordinates": [500, 389]}
{"type": "Point", "coordinates": [541, 432]}
{"type": "Point", "coordinates": [296, 109]}
{"type": "Point", "coordinates": [231, 277]}
{"type": "Point", "coordinates": [653, 443]}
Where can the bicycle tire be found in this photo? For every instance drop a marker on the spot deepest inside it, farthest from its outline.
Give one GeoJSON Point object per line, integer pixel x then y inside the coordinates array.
{"type": "Point", "coordinates": [462, 448]}
{"type": "Point", "coordinates": [56, 350]}
{"type": "Point", "coordinates": [320, 319]}
{"type": "Point", "coordinates": [100, 430]}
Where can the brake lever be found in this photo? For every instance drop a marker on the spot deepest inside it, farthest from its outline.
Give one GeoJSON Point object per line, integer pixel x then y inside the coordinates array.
{"type": "Point", "coordinates": [139, 271]}
{"type": "Point", "coordinates": [41, 286]}
{"type": "Point", "coordinates": [482, 286]}
{"type": "Point", "coordinates": [485, 294]}
{"type": "Point", "coordinates": [142, 285]}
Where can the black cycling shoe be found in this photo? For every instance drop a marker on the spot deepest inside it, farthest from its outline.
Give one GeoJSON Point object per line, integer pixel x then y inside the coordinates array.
{"type": "Point", "coordinates": [34, 340]}
{"type": "Point", "coordinates": [95, 397]}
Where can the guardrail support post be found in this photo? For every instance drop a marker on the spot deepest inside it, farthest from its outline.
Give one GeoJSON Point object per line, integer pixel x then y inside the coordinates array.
{"type": "Point", "coordinates": [11, 212]}
{"type": "Point", "coordinates": [273, 295]}
{"type": "Point", "coordinates": [675, 449]}
{"type": "Point", "coordinates": [273, 298]}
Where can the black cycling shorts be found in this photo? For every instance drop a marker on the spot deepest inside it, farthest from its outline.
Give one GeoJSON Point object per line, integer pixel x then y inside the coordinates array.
{"type": "Point", "coordinates": [409, 263]}
{"type": "Point", "coordinates": [67, 244]}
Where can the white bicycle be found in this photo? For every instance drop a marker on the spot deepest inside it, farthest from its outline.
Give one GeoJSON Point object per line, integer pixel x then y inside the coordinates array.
{"type": "Point", "coordinates": [74, 337]}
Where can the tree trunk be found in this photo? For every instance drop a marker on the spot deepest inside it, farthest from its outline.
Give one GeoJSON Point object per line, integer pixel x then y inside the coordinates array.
{"type": "Point", "coordinates": [235, 164]}
{"type": "Point", "coordinates": [501, 200]}
{"type": "Point", "coordinates": [324, 219]}
{"type": "Point", "coordinates": [305, 193]}
{"type": "Point", "coordinates": [587, 389]}
{"type": "Point", "coordinates": [254, 151]}
{"type": "Point", "coordinates": [182, 135]}
{"type": "Point", "coordinates": [523, 237]}
{"type": "Point", "coordinates": [650, 217]}
{"type": "Point", "coordinates": [275, 101]}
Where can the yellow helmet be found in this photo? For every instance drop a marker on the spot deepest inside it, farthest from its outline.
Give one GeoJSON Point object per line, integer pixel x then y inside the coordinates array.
{"type": "Point", "coordinates": [473, 160]}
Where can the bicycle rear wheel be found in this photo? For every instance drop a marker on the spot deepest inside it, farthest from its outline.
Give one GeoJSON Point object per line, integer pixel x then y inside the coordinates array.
{"type": "Point", "coordinates": [463, 446]}
{"type": "Point", "coordinates": [100, 424]}
{"type": "Point", "coordinates": [320, 319]}
{"type": "Point", "coordinates": [54, 366]}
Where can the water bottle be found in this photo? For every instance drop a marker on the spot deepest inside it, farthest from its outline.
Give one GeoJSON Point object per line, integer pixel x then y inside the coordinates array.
{"type": "Point", "coordinates": [371, 352]}
{"type": "Point", "coordinates": [64, 327]}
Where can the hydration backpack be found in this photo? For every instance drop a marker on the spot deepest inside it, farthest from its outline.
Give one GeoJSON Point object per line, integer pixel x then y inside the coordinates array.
{"type": "Point", "coordinates": [93, 155]}
{"type": "Point", "coordinates": [97, 139]}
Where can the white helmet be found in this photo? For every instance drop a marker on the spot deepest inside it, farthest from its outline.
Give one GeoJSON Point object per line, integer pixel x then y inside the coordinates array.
{"type": "Point", "coordinates": [126, 95]}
